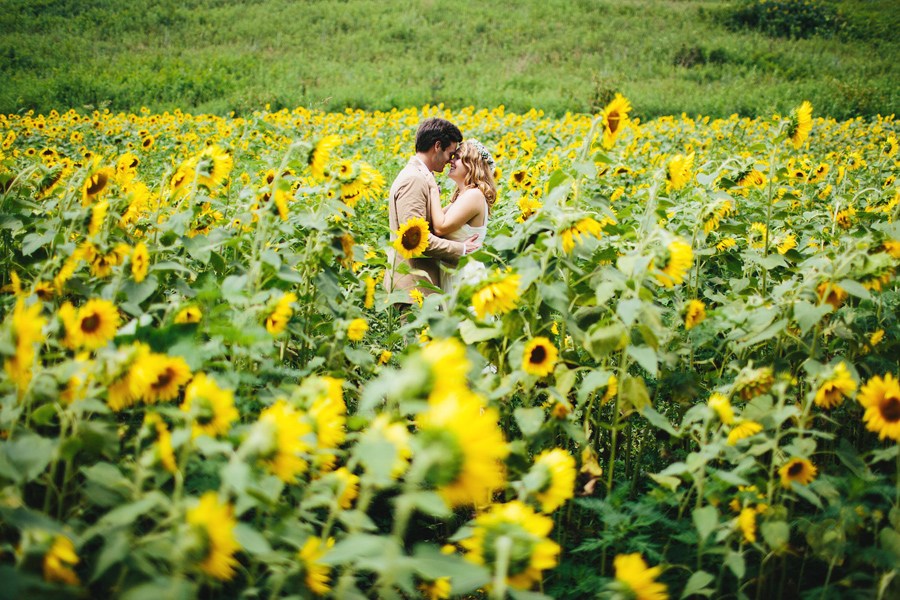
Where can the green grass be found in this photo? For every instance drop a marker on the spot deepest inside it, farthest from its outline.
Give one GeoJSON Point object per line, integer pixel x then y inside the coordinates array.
{"type": "Point", "coordinates": [555, 55]}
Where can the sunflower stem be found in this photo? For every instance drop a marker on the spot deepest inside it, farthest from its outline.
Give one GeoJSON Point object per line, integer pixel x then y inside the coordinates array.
{"type": "Point", "coordinates": [504, 549]}
{"type": "Point", "coordinates": [770, 195]}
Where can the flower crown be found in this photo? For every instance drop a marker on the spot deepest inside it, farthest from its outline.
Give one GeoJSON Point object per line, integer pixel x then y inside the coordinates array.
{"type": "Point", "coordinates": [482, 151]}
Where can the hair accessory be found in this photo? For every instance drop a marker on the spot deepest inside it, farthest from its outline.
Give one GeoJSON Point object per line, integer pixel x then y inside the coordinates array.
{"type": "Point", "coordinates": [483, 151]}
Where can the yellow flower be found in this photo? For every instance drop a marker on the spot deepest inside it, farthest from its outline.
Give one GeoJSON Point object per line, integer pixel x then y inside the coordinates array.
{"type": "Point", "coordinates": [540, 357]}
{"type": "Point", "coordinates": [615, 116]}
{"type": "Point", "coordinates": [120, 389]}
{"type": "Point", "coordinates": [158, 378]}
{"type": "Point", "coordinates": [412, 238]}
{"type": "Point", "coordinates": [416, 296]}
{"type": "Point", "coordinates": [460, 437]}
{"type": "Point", "coordinates": [164, 442]}
{"type": "Point", "coordinates": [797, 469]}
{"type": "Point", "coordinates": [612, 388]}
{"type": "Point", "coordinates": [831, 293]}
{"type": "Point", "coordinates": [881, 399]}
{"type": "Point", "coordinates": [832, 391]}
{"type": "Point", "coordinates": [742, 430]}
{"type": "Point", "coordinates": [277, 319]}
{"type": "Point", "coordinates": [282, 432]}
{"type": "Point", "coordinates": [190, 314]}
{"type": "Point", "coordinates": [97, 323]}
{"type": "Point", "coordinates": [216, 524]}
{"type": "Point", "coordinates": [328, 413]}
{"type": "Point", "coordinates": [385, 357]}
{"type": "Point", "coordinates": [439, 589]}
{"type": "Point", "coordinates": [317, 573]}
{"type": "Point", "coordinates": [752, 382]}
{"type": "Point", "coordinates": [695, 314]}
{"type": "Point", "coordinates": [528, 206]}
{"type": "Point", "coordinates": [370, 293]}
{"type": "Point", "coordinates": [98, 216]}
{"type": "Point", "coordinates": [497, 297]}
{"type": "Point", "coordinates": [747, 522]}
{"type": "Point", "coordinates": [140, 260]}
{"type": "Point", "coordinates": [571, 236]}
{"type": "Point", "coordinates": [396, 434]}
{"type": "Point", "coordinates": [530, 552]}
{"type": "Point", "coordinates": [678, 171]}
{"type": "Point", "coordinates": [800, 124]}
{"type": "Point", "coordinates": [674, 264]}
{"type": "Point", "coordinates": [554, 471]}
{"type": "Point", "coordinates": [357, 329]}
{"type": "Point", "coordinates": [876, 337]}
{"type": "Point", "coordinates": [349, 487]}
{"type": "Point", "coordinates": [213, 166]}
{"type": "Point", "coordinates": [320, 154]}
{"type": "Point", "coordinates": [211, 407]}
{"type": "Point", "coordinates": [59, 560]}
{"type": "Point", "coordinates": [641, 580]}
{"type": "Point", "coordinates": [95, 186]}
{"type": "Point", "coordinates": [725, 244]}
{"type": "Point", "coordinates": [785, 243]}
{"type": "Point", "coordinates": [722, 406]}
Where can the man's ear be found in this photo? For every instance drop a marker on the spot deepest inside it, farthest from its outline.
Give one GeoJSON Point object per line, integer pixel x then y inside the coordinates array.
{"type": "Point", "coordinates": [437, 147]}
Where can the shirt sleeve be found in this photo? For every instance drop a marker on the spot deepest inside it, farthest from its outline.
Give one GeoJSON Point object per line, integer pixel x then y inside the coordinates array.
{"type": "Point", "coordinates": [411, 200]}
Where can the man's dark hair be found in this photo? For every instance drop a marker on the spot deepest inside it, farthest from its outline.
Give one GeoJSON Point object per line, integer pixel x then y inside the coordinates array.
{"type": "Point", "coordinates": [436, 130]}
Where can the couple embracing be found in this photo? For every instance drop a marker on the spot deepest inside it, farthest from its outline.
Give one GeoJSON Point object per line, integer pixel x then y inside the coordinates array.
{"type": "Point", "coordinates": [454, 231]}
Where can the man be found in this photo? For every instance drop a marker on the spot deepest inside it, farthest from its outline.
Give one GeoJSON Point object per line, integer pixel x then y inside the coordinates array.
{"type": "Point", "coordinates": [436, 143]}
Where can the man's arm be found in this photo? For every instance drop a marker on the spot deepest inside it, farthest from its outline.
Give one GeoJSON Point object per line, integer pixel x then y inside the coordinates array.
{"type": "Point", "coordinates": [411, 198]}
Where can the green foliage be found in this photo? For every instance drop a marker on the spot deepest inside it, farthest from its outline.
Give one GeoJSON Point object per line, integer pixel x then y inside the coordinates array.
{"type": "Point", "coordinates": [786, 18]}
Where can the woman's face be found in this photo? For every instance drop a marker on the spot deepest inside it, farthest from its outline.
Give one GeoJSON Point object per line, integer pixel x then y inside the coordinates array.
{"type": "Point", "coordinates": [458, 171]}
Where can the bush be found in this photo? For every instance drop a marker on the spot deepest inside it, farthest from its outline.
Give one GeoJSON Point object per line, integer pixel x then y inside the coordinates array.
{"type": "Point", "coordinates": [798, 19]}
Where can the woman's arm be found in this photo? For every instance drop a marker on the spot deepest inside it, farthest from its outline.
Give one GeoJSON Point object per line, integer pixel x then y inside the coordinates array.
{"type": "Point", "coordinates": [445, 221]}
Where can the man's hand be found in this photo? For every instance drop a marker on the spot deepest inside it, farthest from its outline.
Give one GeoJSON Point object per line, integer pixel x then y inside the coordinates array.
{"type": "Point", "coordinates": [471, 245]}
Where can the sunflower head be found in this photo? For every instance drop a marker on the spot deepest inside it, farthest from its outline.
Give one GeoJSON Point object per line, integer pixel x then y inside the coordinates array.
{"type": "Point", "coordinates": [540, 357]}
{"type": "Point", "coordinates": [797, 469]}
{"type": "Point", "coordinates": [412, 238]}
{"type": "Point", "coordinates": [800, 124]}
{"type": "Point", "coordinates": [881, 399]}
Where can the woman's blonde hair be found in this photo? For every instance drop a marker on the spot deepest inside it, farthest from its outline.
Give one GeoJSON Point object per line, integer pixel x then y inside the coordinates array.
{"type": "Point", "coordinates": [480, 175]}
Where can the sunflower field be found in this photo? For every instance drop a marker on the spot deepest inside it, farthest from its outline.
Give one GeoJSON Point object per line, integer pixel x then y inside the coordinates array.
{"type": "Point", "coordinates": [676, 377]}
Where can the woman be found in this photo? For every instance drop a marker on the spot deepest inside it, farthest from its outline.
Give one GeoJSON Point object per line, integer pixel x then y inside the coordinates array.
{"type": "Point", "coordinates": [472, 169]}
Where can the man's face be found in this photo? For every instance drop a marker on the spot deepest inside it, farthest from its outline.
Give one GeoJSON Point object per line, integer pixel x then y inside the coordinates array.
{"type": "Point", "coordinates": [442, 157]}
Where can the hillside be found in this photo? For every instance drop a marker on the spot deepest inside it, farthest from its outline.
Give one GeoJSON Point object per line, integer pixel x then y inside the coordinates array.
{"type": "Point", "coordinates": [556, 55]}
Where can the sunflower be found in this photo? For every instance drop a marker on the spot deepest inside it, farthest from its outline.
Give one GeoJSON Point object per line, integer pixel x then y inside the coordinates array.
{"type": "Point", "coordinates": [280, 434]}
{"type": "Point", "coordinates": [182, 178]}
{"type": "Point", "coordinates": [95, 185]}
{"type": "Point", "coordinates": [158, 378]}
{"type": "Point", "coordinates": [752, 382]}
{"type": "Point", "coordinates": [612, 388]}
{"type": "Point", "coordinates": [553, 476]}
{"type": "Point", "coordinates": [277, 319]}
{"type": "Point", "coordinates": [317, 573]}
{"type": "Point", "coordinates": [726, 244]}
{"type": "Point", "coordinates": [147, 143]}
{"type": "Point", "coordinates": [797, 469]}
{"type": "Point", "coordinates": [641, 580]}
{"type": "Point", "coordinates": [831, 293]}
{"type": "Point", "coordinates": [722, 405]}
{"type": "Point", "coordinates": [215, 524]}
{"type": "Point", "coordinates": [832, 391]}
{"type": "Point", "coordinates": [531, 552]}
{"type": "Point", "coordinates": [742, 430]}
{"type": "Point", "coordinates": [357, 329]}
{"type": "Point", "coordinates": [818, 174]}
{"type": "Point", "coordinates": [412, 238]}
{"type": "Point", "coordinates": [695, 314]}
{"type": "Point", "coordinates": [678, 171]}
{"type": "Point", "coordinates": [756, 235]}
{"type": "Point", "coordinates": [460, 438]}
{"type": "Point", "coordinates": [571, 236]}
{"type": "Point", "coordinates": [528, 206]}
{"type": "Point", "coordinates": [751, 178]}
{"type": "Point", "coordinates": [328, 412]}
{"type": "Point", "coordinates": [97, 323]}
{"type": "Point", "coordinates": [59, 560]}
{"type": "Point", "coordinates": [439, 589]}
{"type": "Point", "coordinates": [140, 260]}
{"type": "Point", "coordinates": [889, 146]}
{"type": "Point", "coordinates": [674, 263]}
{"type": "Point", "coordinates": [615, 117]}
{"type": "Point", "coordinates": [382, 430]}
{"type": "Point", "coordinates": [98, 216]}
{"type": "Point", "coordinates": [281, 204]}
{"type": "Point", "coordinates": [320, 153]}
{"type": "Point", "coordinates": [348, 488]}
{"type": "Point", "coordinates": [164, 442]}
{"type": "Point", "coordinates": [448, 367]}
{"type": "Point", "coordinates": [800, 124]}
{"type": "Point", "coordinates": [189, 314]}
{"type": "Point", "coordinates": [213, 166]}
{"type": "Point", "coordinates": [785, 242]}
{"type": "Point", "coordinates": [369, 301]}
{"type": "Point", "coordinates": [881, 399]}
{"type": "Point", "coordinates": [120, 389]}
{"type": "Point", "coordinates": [211, 407]}
{"type": "Point", "coordinates": [498, 296]}
{"type": "Point", "coordinates": [747, 523]}
{"type": "Point", "coordinates": [540, 357]}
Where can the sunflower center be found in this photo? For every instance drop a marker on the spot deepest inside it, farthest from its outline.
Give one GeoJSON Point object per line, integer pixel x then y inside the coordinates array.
{"type": "Point", "coordinates": [412, 237]}
{"type": "Point", "coordinates": [98, 182]}
{"type": "Point", "coordinates": [90, 324]}
{"type": "Point", "coordinates": [890, 410]}
{"type": "Point", "coordinates": [164, 379]}
{"type": "Point", "coordinates": [538, 355]}
{"type": "Point", "coordinates": [795, 469]}
{"type": "Point", "coordinates": [613, 120]}
{"type": "Point", "coordinates": [205, 411]}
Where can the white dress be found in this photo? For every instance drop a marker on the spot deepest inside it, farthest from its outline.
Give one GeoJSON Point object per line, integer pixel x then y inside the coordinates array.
{"type": "Point", "coordinates": [450, 280]}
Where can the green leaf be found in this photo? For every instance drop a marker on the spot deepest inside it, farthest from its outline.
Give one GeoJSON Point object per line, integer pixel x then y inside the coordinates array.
{"type": "Point", "coordinates": [705, 520]}
{"type": "Point", "coordinates": [136, 293]}
{"type": "Point", "coordinates": [430, 503]}
{"type": "Point", "coordinates": [171, 266]}
{"type": "Point", "coordinates": [527, 595]}
{"type": "Point", "coordinates": [30, 454]}
{"type": "Point", "coordinates": [602, 341]}
{"type": "Point", "coordinates": [697, 584]}
{"type": "Point", "coordinates": [591, 382]}
{"type": "Point", "coordinates": [251, 540]}
{"type": "Point", "coordinates": [776, 534]}
{"type": "Point", "coordinates": [735, 561]}
{"type": "Point", "coordinates": [634, 392]}
{"type": "Point", "coordinates": [116, 547]}
{"type": "Point", "coordinates": [659, 421]}
{"type": "Point", "coordinates": [170, 588]}
{"type": "Point", "coordinates": [854, 288]}
{"type": "Point", "coordinates": [465, 576]}
{"type": "Point", "coordinates": [356, 546]}
{"type": "Point", "coordinates": [529, 419]}
{"type": "Point", "coordinates": [471, 333]}
{"type": "Point", "coordinates": [127, 513]}
{"type": "Point", "coordinates": [807, 314]}
{"type": "Point", "coordinates": [890, 541]}
{"type": "Point", "coordinates": [666, 481]}
{"type": "Point", "coordinates": [646, 357]}
{"type": "Point", "coordinates": [628, 310]}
